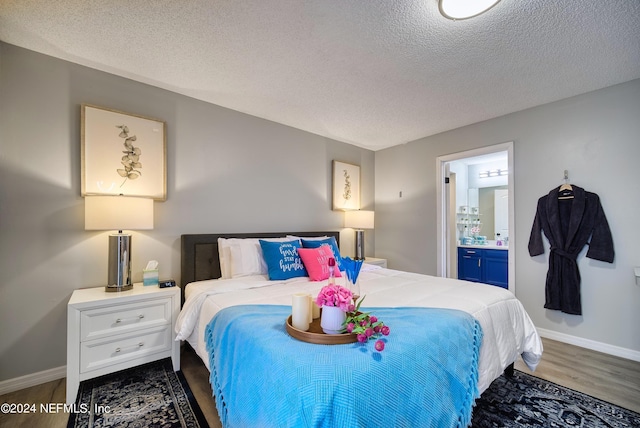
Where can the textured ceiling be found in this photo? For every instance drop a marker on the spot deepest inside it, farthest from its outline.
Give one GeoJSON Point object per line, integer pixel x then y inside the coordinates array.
{"type": "Point", "coordinates": [373, 73]}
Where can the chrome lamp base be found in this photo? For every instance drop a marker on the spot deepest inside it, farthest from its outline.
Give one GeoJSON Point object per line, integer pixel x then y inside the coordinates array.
{"type": "Point", "coordinates": [359, 245]}
{"type": "Point", "coordinates": [119, 263]}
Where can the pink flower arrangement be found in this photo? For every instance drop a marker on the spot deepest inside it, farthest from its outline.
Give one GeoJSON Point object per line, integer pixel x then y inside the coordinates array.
{"type": "Point", "coordinates": [335, 295]}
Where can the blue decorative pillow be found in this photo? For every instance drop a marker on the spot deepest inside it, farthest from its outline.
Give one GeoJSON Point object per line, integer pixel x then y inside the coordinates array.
{"type": "Point", "coordinates": [331, 241]}
{"type": "Point", "coordinates": [283, 260]}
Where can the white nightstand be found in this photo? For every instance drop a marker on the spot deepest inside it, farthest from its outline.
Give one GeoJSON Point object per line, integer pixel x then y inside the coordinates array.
{"type": "Point", "coordinates": [113, 331]}
{"type": "Point", "coordinates": [375, 261]}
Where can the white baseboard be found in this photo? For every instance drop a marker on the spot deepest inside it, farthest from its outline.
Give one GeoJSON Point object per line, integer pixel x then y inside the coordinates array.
{"type": "Point", "coordinates": [27, 381]}
{"type": "Point", "coordinates": [617, 351]}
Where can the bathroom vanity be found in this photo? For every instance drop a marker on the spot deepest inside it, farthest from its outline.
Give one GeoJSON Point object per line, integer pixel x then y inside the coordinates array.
{"type": "Point", "coordinates": [484, 263]}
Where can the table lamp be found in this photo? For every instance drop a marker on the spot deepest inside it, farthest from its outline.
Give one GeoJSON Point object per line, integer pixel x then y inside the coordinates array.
{"type": "Point", "coordinates": [118, 213]}
{"type": "Point", "coordinates": [359, 220]}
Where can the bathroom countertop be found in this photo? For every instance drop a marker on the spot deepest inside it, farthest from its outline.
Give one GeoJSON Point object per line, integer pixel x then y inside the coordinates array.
{"type": "Point", "coordinates": [489, 246]}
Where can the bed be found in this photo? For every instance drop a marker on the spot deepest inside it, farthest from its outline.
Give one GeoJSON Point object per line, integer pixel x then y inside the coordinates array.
{"type": "Point", "coordinates": [507, 331]}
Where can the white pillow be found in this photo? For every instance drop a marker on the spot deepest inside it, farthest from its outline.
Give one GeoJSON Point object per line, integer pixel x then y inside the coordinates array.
{"type": "Point", "coordinates": [224, 252]}
{"type": "Point", "coordinates": [247, 259]}
{"type": "Point", "coordinates": [242, 256]}
{"type": "Point", "coordinates": [314, 238]}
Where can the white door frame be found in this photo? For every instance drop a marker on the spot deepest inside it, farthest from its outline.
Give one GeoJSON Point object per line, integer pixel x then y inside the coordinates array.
{"type": "Point", "coordinates": [443, 228]}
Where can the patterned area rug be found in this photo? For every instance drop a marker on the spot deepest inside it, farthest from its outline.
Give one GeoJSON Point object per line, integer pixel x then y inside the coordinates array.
{"type": "Point", "coordinates": [527, 401]}
{"type": "Point", "coordinates": [151, 395]}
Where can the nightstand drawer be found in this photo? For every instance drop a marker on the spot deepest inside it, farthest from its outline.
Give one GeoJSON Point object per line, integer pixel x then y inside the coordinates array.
{"type": "Point", "coordinates": [96, 354]}
{"type": "Point", "coordinates": [100, 322]}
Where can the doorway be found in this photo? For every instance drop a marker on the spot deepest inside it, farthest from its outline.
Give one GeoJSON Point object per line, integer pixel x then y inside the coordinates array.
{"type": "Point", "coordinates": [464, 180]}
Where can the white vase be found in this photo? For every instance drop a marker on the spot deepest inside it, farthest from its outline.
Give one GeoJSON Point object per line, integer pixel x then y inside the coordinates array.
{"type": "Point", "coordinates": [332, 319]}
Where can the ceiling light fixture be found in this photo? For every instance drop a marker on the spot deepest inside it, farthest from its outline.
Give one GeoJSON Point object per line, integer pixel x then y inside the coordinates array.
{"type": "Point", "coordinates": [463, 9]}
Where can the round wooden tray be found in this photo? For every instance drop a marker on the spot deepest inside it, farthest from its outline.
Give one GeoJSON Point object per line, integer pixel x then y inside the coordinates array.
{"type": "Point", "coordinates": [316, 335]}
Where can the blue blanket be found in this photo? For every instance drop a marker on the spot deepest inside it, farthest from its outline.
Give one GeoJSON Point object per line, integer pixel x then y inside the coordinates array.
{"type": "Point", "coordinates": [425, 377]}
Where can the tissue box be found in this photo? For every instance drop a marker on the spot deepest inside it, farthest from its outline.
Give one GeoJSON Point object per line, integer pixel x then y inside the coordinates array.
{"type": "Point", "coordinates": [150, 277]}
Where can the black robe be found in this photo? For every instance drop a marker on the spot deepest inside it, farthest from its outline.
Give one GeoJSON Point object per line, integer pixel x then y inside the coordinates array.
{"type": "Point", "coordinates": [568, 224]}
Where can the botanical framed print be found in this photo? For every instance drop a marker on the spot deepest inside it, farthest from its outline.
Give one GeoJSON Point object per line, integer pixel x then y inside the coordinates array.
{"type": "Point", "coordinates": [346, 186]}
{"type": "Point", "coordinates": [123, 153]}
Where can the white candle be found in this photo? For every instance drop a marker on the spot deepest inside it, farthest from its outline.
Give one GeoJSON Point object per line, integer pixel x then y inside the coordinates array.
{"type": "Point", "coordinates": [311, 304]}
{"type": "Point", "coordinates": [300, 311]}
{"type": "Point", "coordinates": [315, 310]}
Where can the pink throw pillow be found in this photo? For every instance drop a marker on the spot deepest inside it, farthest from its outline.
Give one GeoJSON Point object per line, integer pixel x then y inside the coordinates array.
{"type": "Point", "coordinates": [316, 261]}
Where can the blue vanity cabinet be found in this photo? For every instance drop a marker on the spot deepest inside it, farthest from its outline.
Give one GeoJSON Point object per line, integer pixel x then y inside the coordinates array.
{"type": "Point", "coordinates": [470, 264]}
{"type": "Point", "coordinates": [496, 267]}
{"type": "Point", "coordinates": [484, 265]}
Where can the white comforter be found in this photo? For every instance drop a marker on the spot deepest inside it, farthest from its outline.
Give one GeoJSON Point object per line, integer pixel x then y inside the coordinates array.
{"type": "Point", "coordinates": [508, 330]}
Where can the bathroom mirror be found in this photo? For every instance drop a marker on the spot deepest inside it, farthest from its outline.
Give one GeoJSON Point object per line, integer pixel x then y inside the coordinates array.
{"type": "Point", "coordinates": [494, 211]}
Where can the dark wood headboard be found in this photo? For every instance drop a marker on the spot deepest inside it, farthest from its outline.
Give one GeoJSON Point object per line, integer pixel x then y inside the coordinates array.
{"type": "Point", "coordinates": [200, 260]}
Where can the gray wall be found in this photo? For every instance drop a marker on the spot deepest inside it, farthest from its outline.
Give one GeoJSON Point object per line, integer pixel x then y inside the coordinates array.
{"type": "Point", "coordinates": [596, 137]}
{"type": "Point", "coordinates": [230, 172]}
{"type": "Point", "coordinates": [227, 172]}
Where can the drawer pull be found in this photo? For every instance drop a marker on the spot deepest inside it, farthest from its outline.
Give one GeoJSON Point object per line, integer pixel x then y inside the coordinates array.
{"type": "Point", "coordinates": [139, 317]}
{"type": "Point", "coordinates": [139, 345]}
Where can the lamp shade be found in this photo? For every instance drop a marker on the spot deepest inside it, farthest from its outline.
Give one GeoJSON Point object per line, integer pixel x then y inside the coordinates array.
{"type": "Point", "coordinates": [359, 219]}
{"type": "Point", "coordinates": [118, 213]}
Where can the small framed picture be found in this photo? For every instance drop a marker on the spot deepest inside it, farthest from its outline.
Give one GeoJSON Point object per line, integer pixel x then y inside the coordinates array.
{"type": "Point", "coordinates": [123, 153]}
{"type": "Point", "coordinates": [346, 186]}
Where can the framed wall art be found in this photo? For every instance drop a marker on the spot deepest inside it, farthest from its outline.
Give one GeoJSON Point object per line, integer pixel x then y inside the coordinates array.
{"type": "Point", "coordinates": [123, 153]}
{"type": "Point", "coordinates": [346, 186]}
